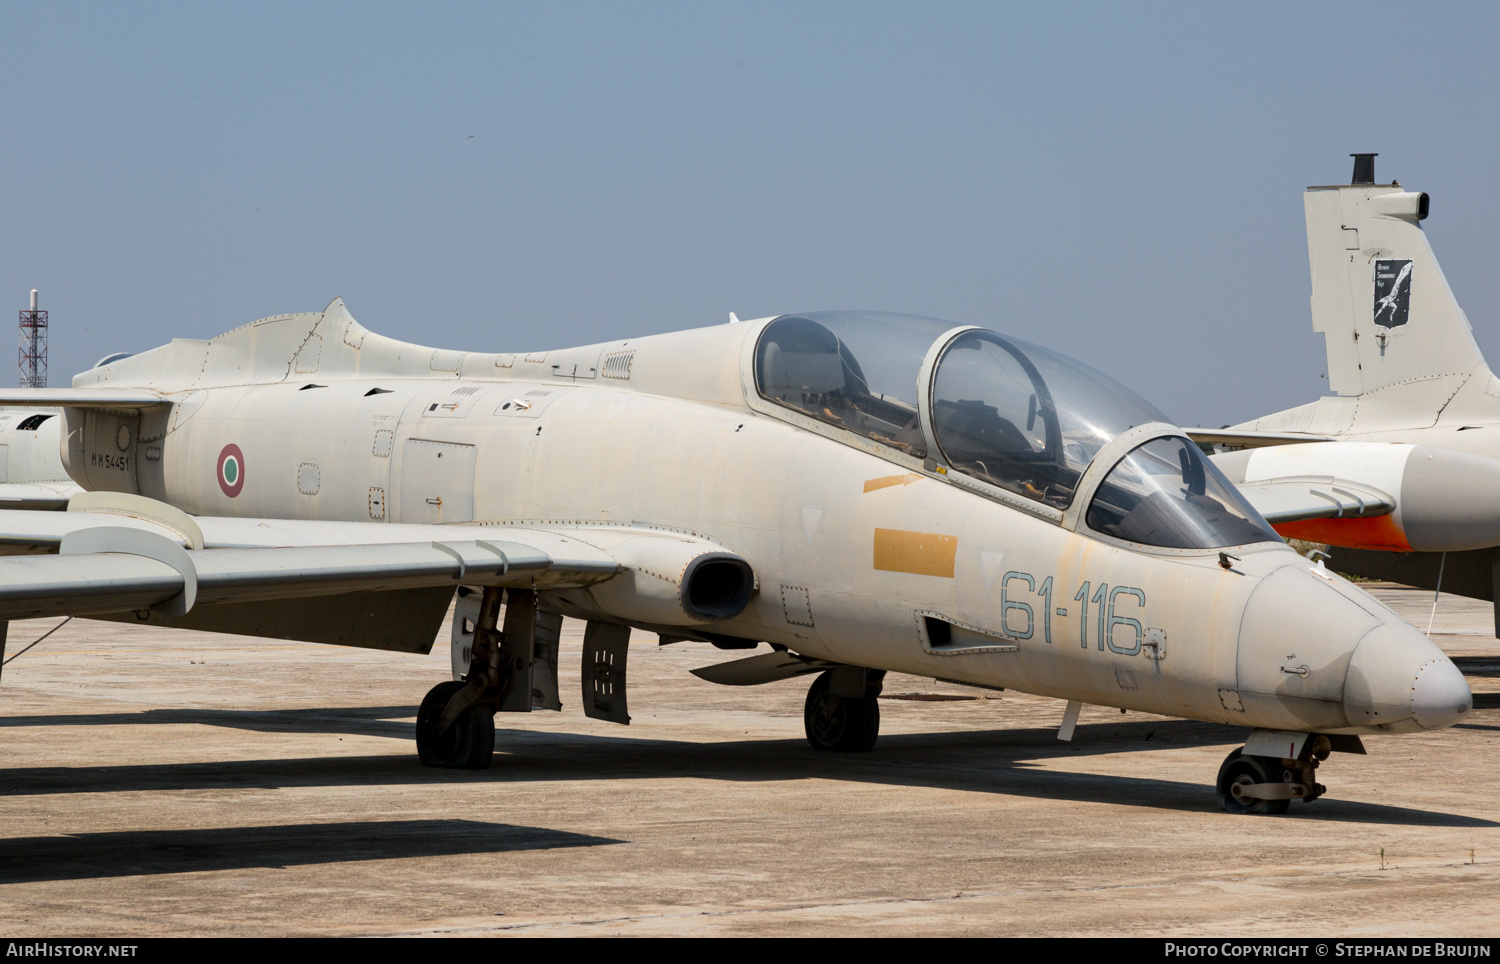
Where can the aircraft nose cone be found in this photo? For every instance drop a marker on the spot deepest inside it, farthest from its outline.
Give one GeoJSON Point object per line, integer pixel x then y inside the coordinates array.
{"type": "Point", "coordinates": [1298, 634]}
{"type": "Point", "coordinates": [1440, 695]}
{"type": "Point", "coordinates": [1399, 679]}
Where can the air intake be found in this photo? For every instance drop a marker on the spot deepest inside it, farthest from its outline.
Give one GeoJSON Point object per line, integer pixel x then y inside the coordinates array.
{"type": "Point", "coordinates": [717, 585]}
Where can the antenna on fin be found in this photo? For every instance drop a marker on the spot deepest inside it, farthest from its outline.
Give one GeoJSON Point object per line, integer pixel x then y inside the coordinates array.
{"type": "Point", "coordinates": [1364, 168]}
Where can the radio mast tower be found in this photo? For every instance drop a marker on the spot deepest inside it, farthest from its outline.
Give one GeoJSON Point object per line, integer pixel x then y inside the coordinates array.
{"type": "Point", "coordinates": [33, 353]}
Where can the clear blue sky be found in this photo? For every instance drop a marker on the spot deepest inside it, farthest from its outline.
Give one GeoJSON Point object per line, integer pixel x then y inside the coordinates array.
{"type": "Point", "coordinates": [1122, 182]}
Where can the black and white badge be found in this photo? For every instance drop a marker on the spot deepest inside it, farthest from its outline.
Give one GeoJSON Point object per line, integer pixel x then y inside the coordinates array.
{"type": "Point", "coordinates": [1392, 293]}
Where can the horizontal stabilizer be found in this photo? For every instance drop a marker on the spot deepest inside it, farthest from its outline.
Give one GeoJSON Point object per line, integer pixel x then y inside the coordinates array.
{"type": "Point", "coordinates": [765, 668]}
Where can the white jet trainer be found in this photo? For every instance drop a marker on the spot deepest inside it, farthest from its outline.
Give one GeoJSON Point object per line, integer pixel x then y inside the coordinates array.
{"type": "Point", "coordinates": [865, 492]}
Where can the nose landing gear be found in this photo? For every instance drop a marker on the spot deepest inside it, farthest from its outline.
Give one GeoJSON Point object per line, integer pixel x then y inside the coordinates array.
{"type": "Point", "coordinates": [1268, 785]}
{"type": "Point", "coordinates": [842, 713]}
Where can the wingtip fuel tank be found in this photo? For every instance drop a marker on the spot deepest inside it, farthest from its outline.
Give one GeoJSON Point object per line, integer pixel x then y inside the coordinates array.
{"type": "Point", "coordinates": [1440, 499]}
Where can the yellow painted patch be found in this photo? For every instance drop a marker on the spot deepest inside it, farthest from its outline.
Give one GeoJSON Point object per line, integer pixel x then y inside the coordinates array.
{"type": "Point", "coordinates": [886, 481]}
{"type": "Point", "coordinates": [921, 553]}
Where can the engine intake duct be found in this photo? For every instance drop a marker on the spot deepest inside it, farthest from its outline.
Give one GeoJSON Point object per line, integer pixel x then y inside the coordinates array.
{"type": "Point", "coordinates": [665, 581]}
{"type": "Point", "coordinates": [717, 585]}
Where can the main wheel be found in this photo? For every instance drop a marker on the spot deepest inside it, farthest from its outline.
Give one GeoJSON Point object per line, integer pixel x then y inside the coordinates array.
{"type": "Point", "coordinates": [1240, 770]}
{"type": "Point", "coordinates": [453, 748]}
{"type": "Point", "coordinates": [480, 721]}
{"type": "Point", "coordinates": [840, 723]}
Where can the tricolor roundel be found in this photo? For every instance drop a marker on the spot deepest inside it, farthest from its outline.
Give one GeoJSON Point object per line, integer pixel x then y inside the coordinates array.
{"type": "Point", "coordinates": [231, 470]}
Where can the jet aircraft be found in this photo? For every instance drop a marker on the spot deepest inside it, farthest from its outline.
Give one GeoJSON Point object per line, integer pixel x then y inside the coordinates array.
{"type": "Point", "coordinates": [1401, 467]}
{"type": "Point", "coordinates": [865, 492]}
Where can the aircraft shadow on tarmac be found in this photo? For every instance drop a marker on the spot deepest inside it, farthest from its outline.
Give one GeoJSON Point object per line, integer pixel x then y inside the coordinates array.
{"type": "Point", "coordinates": [25, 860]}
{"type": "Point", "coordinates": [359, 720]}
{"type": "Point", "coordinates": [984, 761]}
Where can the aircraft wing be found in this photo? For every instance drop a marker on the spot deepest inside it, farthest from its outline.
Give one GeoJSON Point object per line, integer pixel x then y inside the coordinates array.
{"type": "Point", "coordinates": [1293, 500]}
{"type": "Point", "coordinates": [37, 495]}
{"type": "Point", "coordinates": [107, 568]}
{"type": "Point", "coordinates": [96, 398]}
{"type": "Point", "coordinates": [377, 585]}
{"type": "Point", "coordinates": [362, 584]}
{"type": "Point", "coordinates": [27, 532]}
{"type": "Point", "coordinates": [1250, 440]}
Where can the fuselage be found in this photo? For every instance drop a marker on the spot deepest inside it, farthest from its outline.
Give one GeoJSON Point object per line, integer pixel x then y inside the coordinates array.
{"type": "Point", "coordinates": [864, 554]}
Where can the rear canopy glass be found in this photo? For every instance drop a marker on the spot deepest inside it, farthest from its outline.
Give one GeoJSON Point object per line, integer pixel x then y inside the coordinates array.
{"type": "Point", "coordinates": [856, 370]}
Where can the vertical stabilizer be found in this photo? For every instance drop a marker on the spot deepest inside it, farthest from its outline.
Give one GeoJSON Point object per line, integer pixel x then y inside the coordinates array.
{"type": "Point", "coordinates": [1378, 296]}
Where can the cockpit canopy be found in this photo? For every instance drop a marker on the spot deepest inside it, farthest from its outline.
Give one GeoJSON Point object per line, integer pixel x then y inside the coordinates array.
{"type": "Point", "coordinates": [998, 409]}
{"type": "Point", "coordinates": [1006, 412]}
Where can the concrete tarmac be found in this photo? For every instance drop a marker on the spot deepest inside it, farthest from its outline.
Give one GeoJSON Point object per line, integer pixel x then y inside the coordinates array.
{"type": "Point", "coordinates": [176, 783]}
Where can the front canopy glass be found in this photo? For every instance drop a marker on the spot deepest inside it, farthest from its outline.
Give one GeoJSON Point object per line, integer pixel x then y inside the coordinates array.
{"type": "Point", "coordinates": [1165, 493]}
{"type": "Point", "coordinates": [1004, 411]}
{"type": "Point", "coordinates": [1025, 418]}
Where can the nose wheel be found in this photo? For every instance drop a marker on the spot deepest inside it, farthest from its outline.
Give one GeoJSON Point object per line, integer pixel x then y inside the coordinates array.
{"type": "Point", "coordinates": [1266, 786]}
{"type": "Point", "coordinates": [842, 724]}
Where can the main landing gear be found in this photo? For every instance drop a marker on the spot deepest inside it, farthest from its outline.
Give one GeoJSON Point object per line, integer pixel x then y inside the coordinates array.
{"type": "Point", "coordinates": [1267, 784]}
{"type": "Point", "coordinates": [467, 742]}
{"type": "Point", "coordinates": [842, 712]}
{"type": "Point", "coordinates": [456, 721]}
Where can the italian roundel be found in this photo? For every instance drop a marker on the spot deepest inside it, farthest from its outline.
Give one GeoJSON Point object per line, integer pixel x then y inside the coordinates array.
{"type": "Point", "coordinates": [231, 470]}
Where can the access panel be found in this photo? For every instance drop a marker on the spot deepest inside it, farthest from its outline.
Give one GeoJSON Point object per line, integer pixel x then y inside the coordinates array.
{"type": "Point", "coordinates": [437, 482]}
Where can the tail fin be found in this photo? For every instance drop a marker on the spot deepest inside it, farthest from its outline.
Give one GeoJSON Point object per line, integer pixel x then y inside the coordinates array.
{"type": "Point", "coordinates": [1385, 310]}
